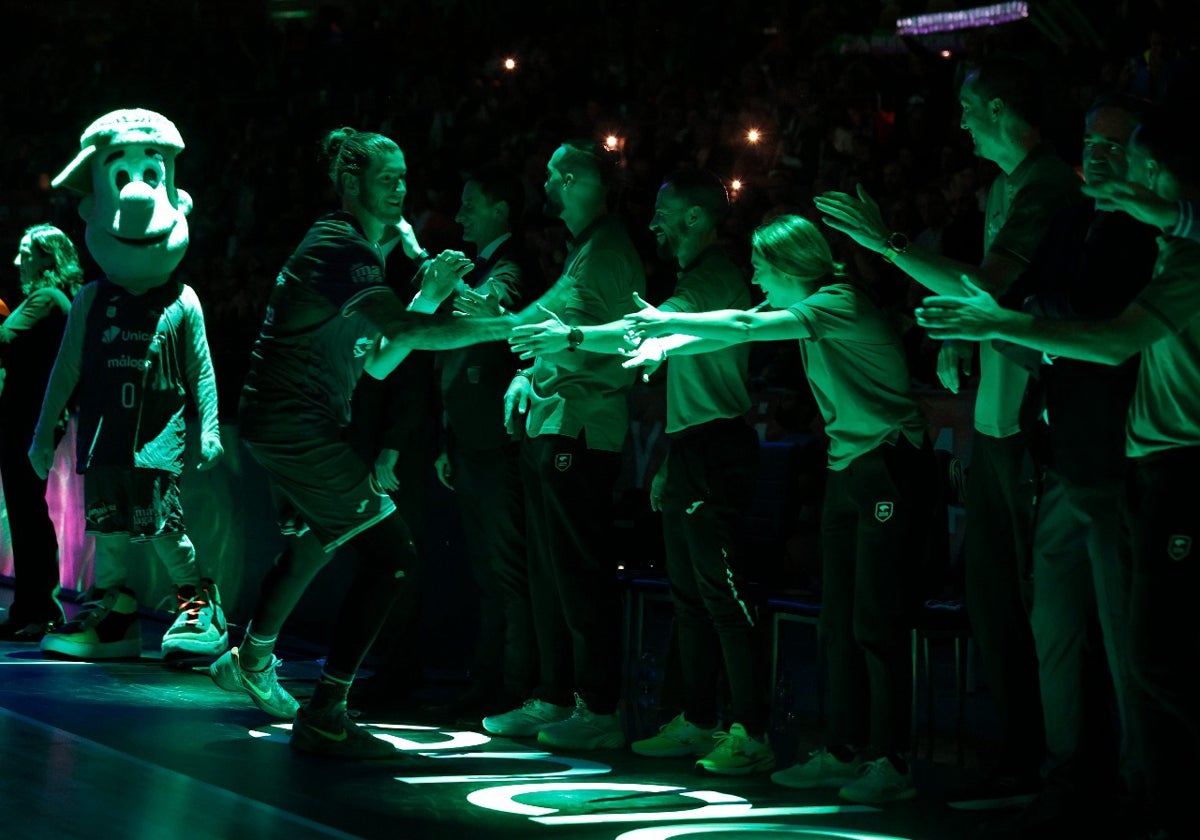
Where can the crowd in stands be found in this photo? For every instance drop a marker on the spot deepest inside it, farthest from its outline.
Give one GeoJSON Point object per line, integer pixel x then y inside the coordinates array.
{"type": "Point", "coordinates": [835, 97]}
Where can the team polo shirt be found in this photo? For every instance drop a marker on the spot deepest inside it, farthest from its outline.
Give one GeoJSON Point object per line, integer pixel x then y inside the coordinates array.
{"type": "Point", "coordinates": [859, 376]}
{"type": "Point", "coordinates": [708, 386]}
{"type": "Point", "coordinates": [1165, 412]}
{"type": "Point", "coordinates": [313, 344]}
{"type": "Point", "coordinates": [577, 392]}
{"type": "Point", "coordinates": [1020, 207]}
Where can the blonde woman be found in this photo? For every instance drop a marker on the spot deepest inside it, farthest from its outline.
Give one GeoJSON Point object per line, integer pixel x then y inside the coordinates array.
{"type": "Point", "coordinates": [878, 493]}
{"type": "Point", "coordinates": [29, 337]}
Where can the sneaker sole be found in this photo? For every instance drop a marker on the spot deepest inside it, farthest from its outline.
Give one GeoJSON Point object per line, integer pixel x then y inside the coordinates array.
{"type": "Point", "coordinates": [679, 752]}
{"type": "Point", "coordinates": [1000, 803]}
{"type": "Point", "coordinates": [761, 766]}
{"type": "Point", "coordinates": [902, 796]}
{"type": "Point", "coordinates": [195, 647]}
{"type": "Point", "coordinates": [124, 649]}
{"type": "Point", "coordinates": [832, 784]}
{"type": "Point", "coordinates": [531, 731]}
{"type": "Point", "coordinates": [316, 746]}
{"type": "Point", "coordinates": [613, 742]}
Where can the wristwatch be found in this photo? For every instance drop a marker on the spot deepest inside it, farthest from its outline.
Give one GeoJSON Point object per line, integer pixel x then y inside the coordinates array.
{"type": "Point", "coordinates": [895, 245]}
{"type": "Point", "coordinates": [574, 338]}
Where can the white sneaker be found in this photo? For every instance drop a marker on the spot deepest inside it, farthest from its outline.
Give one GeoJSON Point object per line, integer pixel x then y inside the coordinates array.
{"type": "Point", "coordinates": [878, 783]}
{"type": "Point", "coordinates": [679, 737]}
{"type": "Point", "coordinates": [527, 721]}
{"type": "Point", "coordinates": [199, 628]}
{"type": "Point", "coordinates": [737, 754]}
{"type": "Point", "coordinates": [822, 770]}
{"type": "Point", "coordinates": [584, 730]}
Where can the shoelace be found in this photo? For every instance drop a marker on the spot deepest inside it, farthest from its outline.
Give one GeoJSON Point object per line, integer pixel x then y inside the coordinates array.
{"type": "Point", "coordinates": [728, 741]}
{"type": "Point", "coordinates": [91, 612]}
{"type": "Point", "coordinates": [870, 768]}
{"type": "Point", "coordinates": [192, 607]}
{"type": "Point", "coordinates": [581, 709]}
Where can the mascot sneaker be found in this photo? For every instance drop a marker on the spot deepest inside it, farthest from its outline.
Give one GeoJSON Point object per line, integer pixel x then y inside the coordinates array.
{"type": "Point", "coordinates": [105, 628]}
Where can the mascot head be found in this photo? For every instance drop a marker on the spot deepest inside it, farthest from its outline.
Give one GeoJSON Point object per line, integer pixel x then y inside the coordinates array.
{"type": "Point", "coordinates": [136, 218]}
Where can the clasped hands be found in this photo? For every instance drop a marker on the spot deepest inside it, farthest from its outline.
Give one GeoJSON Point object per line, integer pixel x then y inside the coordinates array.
{"type": "Point", "coordinates": [625, 337]}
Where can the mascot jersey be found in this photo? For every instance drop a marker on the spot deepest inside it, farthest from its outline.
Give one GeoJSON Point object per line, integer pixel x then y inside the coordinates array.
{"type": "Point", "coordinates": [313, 344]}
{"type": "Point", "coordinates": [144, 353]}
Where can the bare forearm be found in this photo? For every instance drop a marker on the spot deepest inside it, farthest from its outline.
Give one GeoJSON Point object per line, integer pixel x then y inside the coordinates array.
{"type": "Point", "coordinates": [608, 338]}
{"type": "Point", "coordinates": [689, 345]}
{"type": "Point", "coordinates": [443, 332]}
{"type": "Point", "coordinates": [938, 273]}
{"type": "Point", "coordinates": [1089, 341]}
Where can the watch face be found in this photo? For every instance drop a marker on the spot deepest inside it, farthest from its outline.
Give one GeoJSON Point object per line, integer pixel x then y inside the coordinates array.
{"type": "Point", "coordinates": [897, 242]}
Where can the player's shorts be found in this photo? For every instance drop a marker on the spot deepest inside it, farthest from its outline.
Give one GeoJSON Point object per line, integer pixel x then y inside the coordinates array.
{"type": "Point", "coordinates": [139, 503]}
{"type": "Point", "coordinates": [322, 485]}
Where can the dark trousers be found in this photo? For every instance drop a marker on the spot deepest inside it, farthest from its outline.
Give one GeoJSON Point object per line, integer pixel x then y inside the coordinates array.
{"type": "Point", "coordinates": [34, 541]}
{"type": "Point", "coordinates": [1080, 628]}
{"type": "Point", "coordinates": [874, 529]}
{"type": "Point", "coordinates": [1000, 490]}
{"type": "Point", "coordinates": [487, 485]}
{"type": "Point", "coordinates": [709, 482]}
{"type": "Point", "coordinates": [1165, 641]}
{"type": "Point", "coordinates": [572, 569]}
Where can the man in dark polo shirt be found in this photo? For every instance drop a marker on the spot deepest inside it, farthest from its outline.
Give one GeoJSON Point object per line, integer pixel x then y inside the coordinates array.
{"type": "Point", "coordinates": [1163, 446]}
{"type": "Point", "coordinates": [1000, 110]}
{"type": "Point", "coordinates": [703, 489]}
{"type": "Point", "coordinates": [573, 409]}
{"type": "Point", "coordinates": [1091, 264]}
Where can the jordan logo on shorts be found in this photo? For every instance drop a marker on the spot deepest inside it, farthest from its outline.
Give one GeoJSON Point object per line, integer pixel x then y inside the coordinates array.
{"type": "Point", "coordinates": [883, 511]}
{"type": "Point", "coordinates": [1179, 546]}
{"type": "Point", "coordinates": [362, 506]}
{"type": "Point", "coordinates": [562, 461]}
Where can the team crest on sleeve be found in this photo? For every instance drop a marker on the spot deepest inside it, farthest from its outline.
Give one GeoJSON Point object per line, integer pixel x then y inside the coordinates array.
{"type": "Point", "coordinates": [562, 461]}
{"type": "Point", "coordinates": [1179, 546]}
{"type": "Point", "coordinates": [884, 511]}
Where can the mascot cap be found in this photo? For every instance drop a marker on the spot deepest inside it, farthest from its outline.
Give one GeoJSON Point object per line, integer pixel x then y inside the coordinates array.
{"type": "Point", "coordinates": [129, 125]}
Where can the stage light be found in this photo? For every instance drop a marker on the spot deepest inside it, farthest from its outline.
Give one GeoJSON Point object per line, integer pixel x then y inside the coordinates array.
{"type": "Point", "coordinates": [510, 64]}
{"type": "Point", "coordinates": [752, 135]}
{"type": "Point", "coordinates": [946, 53]}
{"type": "Point", "coordinates": [735, 185]}
{"type": "Point", "coordinates": [979, 16]}
{"type": "Point", "coordinates": [612, 141]}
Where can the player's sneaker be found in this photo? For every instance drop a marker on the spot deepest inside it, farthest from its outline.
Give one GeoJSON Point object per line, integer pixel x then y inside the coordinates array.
{"type": "Point", "coordinates": [336, 736]}
{"type": "Point", "coordinates": [199, 628]}
{"type": "Point", "coordinates": [262, 686]}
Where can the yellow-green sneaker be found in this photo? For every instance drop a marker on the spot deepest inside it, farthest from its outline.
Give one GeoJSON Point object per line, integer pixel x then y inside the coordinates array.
{"type": "Point", "coordinates": [676, 738]}
{"type": "Point", "coordinates": [737, 754]}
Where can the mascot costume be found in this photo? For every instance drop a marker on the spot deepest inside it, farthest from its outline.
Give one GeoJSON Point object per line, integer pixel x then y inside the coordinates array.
{"type": "Point", "coordinates": [133, 349]}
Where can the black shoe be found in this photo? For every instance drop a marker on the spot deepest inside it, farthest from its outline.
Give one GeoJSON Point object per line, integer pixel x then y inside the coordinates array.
{"type": "Point", "coordinates": [996, 793]}
{"type": "Point", "coordinates": [336, 736]}
{"type": "Point", "coordinates": [28, 631]}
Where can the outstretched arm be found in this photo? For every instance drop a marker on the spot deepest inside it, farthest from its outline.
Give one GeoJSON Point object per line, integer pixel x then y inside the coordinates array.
{"type": "Point", "coordinates": [859, 218]}
{"type": "Point", "coordinates": [977, 316]}
{"type": "Point", "coordinates": [718, 329]}
{"type": "Point", "coordinates": [404, 330]}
